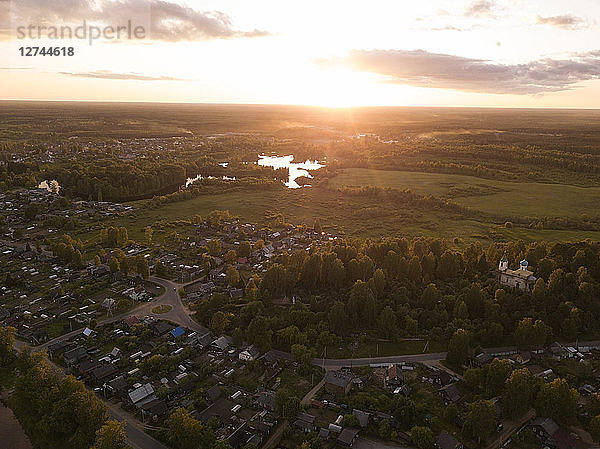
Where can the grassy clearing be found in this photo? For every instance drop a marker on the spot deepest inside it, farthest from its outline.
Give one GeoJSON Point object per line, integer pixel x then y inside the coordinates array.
{"type": "Point", "coordinates": [385, 349]}
{"type": "Point", "coordinates": [163, 308]}
{"type": "Point", "coordinates": [490, 196]}
{"type": "Point", "coordinates": [351, 215]}
{"type": "Point", "coordinates": [362, 217]}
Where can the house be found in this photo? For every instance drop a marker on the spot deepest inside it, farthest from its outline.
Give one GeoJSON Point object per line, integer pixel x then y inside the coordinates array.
{"type": "Point", "coordinates": [347, 437]}
{"type": "Point", "coordinates": [221, 343]}
{"type": "Point", "coordinates": [131, 321]}
{"type": "Point", "coordinates": [338, 382]}
{"type": "Point", "coordinates": [275, 356]}
{"type": "Point", "coordinates": [142, 395]}
{"type": "Point", "coordinates": [177, 332]}
{"type": "Point", "coordinates": [249, 354]}
{"type": "Point", "coordinates": [362, 417]}
{"type": "Point", "coordinates": [104, 372]}
{"type": "Point", "coordinates": [117, 386]}
{"type": "Point", "coordinates": [450, 393]}
{"type": "Point", "coordinates": [73, 356]}
{"type": "Point", "coordinates": [522, 279]}
{"type": "Point", "coordinates": [87, 366]}
{"type": "Point", "coordinates": [447, 441]}
{"type": "Point", "coordinates": [155, 408]}
{"type": "Point", "coordinates": [266, 400]}
{"type": "Point", "coordinates": [161, 328]}
{"type": "Point", "coordinates": [305, 422]}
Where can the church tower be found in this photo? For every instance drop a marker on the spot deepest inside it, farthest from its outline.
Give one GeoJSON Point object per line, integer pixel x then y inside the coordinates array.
{"type": "Point", "coordinates": [503, 266]}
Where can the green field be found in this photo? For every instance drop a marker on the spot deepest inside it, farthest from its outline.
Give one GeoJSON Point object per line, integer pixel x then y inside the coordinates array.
{"type": "Point", "coordinates": [350, 215]}
{"type": "Point", "coordinates": [498, 198]}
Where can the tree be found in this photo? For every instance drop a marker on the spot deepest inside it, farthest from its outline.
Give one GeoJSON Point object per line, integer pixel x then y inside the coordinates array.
{"type": "Point", "coordinates": [595, 428]}
{"type": "Point", "coordinates": [422, 437]}
{"type": "Point", "coordinates": [474, 378]}
{"type": "Point", "coordinates": [7, 340]}
{"type": "Point", "coordinates": [384, 430]}
{"type": "Point", "coordinates": [251, 290]}
{"type": "Point", "coordinates": [65, 410]}
{"type": "Point", "coordinates": [287, 405]}
{"type": "Point", "coordinates": [459, 348]}
{"type": "Point", "coordinates": [214, 247]}
{"type": "Point", "coordinates": [111, 436]}
{"type": "Point", "coordinates": [31, 211]}
{"type": "Point", "coordinates": [301, 354]}
{"type": "Point", "coordinates": [142, 267]}
{"type": "Point", "coordinates": [184, 431]}
{"type": "Point", "coordinates": [361, 305]}
{"type": "Point", "coordinates": [338, 319]}
{"type": "Point", "coordinates": [232, 276]}
{"type": "Point", "coordinates": [231, 257]}
{"type": "Point", "coordinates": [219, 322]}
{"type": "Point", "coordinates": [497, 373]}
{"type": "Point", "coordinates": [430, 297]}
{"type": "Point", "coordinates": [529, 334]}
{"type": "Point", "coordinates": [245, 249]}
{"type": "Point", "coordinates": [519, 392]}
{"type": "Point", "coordinates": [349, 420]}
{"type": "Point", "coordinates": [114, 265]}
{"type": "Point", "coordinates": [481, 420]}
{"type": "Point", "coordinates": [160, 269]}
{"type": "Point", "coordinates": [378, 283]}
{"type": "Point", "coordinates": [404, 410]}
{"type": "Point", "coordinates": [388, 323]}
{"type": "Point", "coordinates": [411, 325]}
{"type": "Point", "coordinates": [148, 231]}
{"type": "Point", "coordinates": [558, 401]}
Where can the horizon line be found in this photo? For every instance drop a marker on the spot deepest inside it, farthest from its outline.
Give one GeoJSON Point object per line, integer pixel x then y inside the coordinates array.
{"type": "Point", "coordinates": [193, 103]}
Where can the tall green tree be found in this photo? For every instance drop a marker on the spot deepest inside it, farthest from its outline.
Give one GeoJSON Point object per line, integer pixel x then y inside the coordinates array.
{"type": "Point", "coordinates": [111, 436]}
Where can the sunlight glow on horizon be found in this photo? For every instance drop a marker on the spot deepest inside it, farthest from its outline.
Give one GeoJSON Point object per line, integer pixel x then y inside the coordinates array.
{"type": "Point", "coordinates": [281, 68]}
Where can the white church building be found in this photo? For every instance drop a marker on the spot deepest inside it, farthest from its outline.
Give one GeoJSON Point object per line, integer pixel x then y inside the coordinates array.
{"type": "Point", "coordinates": [523, 278]}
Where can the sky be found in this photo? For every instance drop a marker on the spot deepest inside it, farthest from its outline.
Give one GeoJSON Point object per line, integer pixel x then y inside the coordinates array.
{"type": "Point", "coordinates": [490, 53]}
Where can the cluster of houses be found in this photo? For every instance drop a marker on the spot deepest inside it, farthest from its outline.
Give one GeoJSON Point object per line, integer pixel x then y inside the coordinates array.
{"type": "Point", "coordinates": [546, 430]}
{"type": "Point", "coordinates": [120, 372]}
{"type": "Point", "coordinates": [201, 281]}
{"type": "Point", "coordinates": [40, 292]}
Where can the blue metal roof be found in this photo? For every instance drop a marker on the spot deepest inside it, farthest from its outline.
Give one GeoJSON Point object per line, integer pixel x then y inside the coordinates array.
{"type": "Point", "coordinates": [177, 332]}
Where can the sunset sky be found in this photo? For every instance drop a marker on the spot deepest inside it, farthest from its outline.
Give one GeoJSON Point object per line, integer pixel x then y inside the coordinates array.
{"type": "Point", "coordinates": [497, 53]}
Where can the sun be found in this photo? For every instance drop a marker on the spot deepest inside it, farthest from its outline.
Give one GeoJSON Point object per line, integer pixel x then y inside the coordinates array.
{"type": "Point", "coordinates": [337, 88]}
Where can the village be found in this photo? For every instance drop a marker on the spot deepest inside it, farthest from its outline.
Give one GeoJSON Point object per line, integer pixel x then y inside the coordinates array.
{"type": "Point", "coordinates": [109, 329]}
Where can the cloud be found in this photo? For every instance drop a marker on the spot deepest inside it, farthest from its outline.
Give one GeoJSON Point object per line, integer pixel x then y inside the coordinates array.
{"type": "Point", "coordinates": [480, 8]}
{"type": "Point", "coordinates": [566, 21]}
{"type": "Point", "coordinates": [164, 20]}
{"type": "Point", "coordinates": [449, 28]}
{"type": "Point", "coordinates": [420, 68]}
{"type": "Point", "coordinates": [108, 75]}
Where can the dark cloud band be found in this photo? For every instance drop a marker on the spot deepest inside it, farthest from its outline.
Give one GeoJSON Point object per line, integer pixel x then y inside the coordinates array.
{"type": "Point", "coordinates": [423, 69]}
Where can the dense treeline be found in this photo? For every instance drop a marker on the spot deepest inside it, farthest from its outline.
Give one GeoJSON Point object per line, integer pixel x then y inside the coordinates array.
{"type": "Point", "coordinates": [395, 287]}
{"type": "Point", "coordinates": [213, 187]}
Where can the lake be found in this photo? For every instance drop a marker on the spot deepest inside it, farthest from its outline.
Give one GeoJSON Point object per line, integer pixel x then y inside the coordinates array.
{"type": "Point", "coordinates": [296, 169]}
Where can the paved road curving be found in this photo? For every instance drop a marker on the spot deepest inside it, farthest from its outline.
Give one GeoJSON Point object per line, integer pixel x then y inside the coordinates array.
{"type": "Point", "coordinates": [178, 314]}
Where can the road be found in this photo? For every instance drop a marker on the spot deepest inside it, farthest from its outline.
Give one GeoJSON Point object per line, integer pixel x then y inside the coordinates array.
{"type": "Point", "coordinates": [332, 364]}
{"type": "Point", "coordinates": [308, 396]}
{"type": "Point", "coordinates": [178, 314]}
{"type": "Point", "coordinates": [510, 427]}
{"type": "Point", "coordinates": [365, 443]}
{"type": "Point", "coordinates": [136, 435]}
